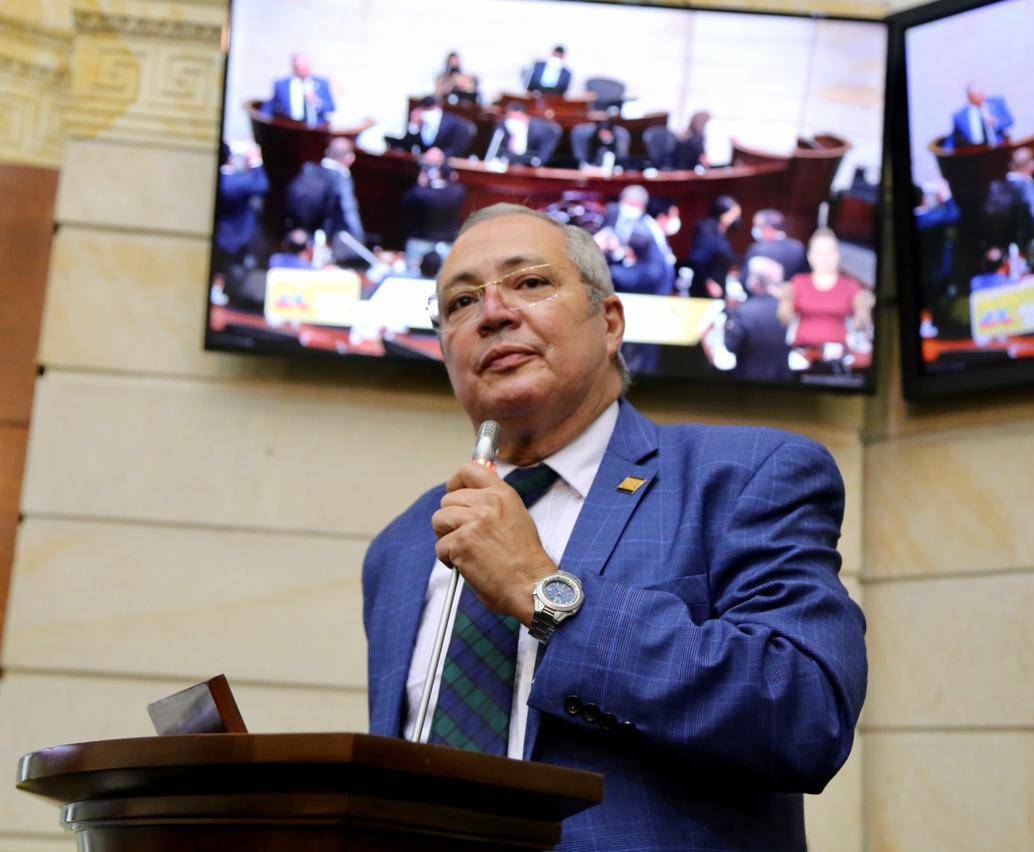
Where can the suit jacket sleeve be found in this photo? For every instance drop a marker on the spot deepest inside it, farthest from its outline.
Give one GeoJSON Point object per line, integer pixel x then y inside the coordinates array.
{"type": "Point", "coordinates": [770, 685]}
{"type": "Point", "coordinates": [326, 97]}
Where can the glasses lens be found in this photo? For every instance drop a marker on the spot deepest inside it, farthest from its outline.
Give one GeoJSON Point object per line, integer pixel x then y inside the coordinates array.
{"type": "Point", "coordinates": [517, 290]}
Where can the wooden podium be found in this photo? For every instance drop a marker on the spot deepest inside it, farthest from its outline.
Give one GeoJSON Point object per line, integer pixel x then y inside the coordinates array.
{"type": "Point", "coordinates": [301, 792]}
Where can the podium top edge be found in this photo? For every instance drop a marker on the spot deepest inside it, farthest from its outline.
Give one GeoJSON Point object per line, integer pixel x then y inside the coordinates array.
{"type": "Point", "coordinates": [37, 770]}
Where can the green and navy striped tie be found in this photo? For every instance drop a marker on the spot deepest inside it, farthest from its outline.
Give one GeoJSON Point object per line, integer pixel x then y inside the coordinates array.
{"type": "Point", "coordinates": [476, 691]}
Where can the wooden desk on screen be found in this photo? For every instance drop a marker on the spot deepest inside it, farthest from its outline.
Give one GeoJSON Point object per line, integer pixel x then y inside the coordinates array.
{"type": "Point", "coordinates": [809, 171]}
{"type": "Point", "coordinates": [286, 145]}
{"type": "Point", "coordinates": [381, 179]}
{"type": "Point", "coordinates": [969, 172]}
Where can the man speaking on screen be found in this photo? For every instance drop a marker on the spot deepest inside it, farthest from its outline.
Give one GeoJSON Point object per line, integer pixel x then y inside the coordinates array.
{"type": "Point", "coordinates": [659, 604]}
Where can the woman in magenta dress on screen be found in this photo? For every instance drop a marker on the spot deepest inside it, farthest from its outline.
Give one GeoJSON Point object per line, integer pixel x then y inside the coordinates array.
{"type": "Point", "coordinates": [823, 300]}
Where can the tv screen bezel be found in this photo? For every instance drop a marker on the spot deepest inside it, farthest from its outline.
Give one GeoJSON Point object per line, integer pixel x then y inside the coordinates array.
{"type": "Point", "coordinates": [712, 379]}
{"type": "Point", "coordinates": [918, 381]}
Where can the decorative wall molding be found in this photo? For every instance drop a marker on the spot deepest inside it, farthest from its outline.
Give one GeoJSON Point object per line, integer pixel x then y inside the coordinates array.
{"type": "Point", "coordinates": [96, 21]}
{"type": "Point", "coordinates": [146, 72]}
{"type": "Point", "coordinates": [33, 89]}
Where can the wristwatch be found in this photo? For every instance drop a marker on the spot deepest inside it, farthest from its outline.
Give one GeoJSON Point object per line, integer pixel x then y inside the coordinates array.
{"type": "Point", "coordinates": [557, 596]}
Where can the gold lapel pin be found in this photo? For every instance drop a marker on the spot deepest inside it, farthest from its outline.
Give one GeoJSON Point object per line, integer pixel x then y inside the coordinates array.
{"type": "Point", "coordinates": [631, 484]}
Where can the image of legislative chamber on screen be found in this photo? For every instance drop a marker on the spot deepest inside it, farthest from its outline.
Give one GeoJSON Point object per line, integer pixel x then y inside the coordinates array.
{"type": "Point", "coordinates": [739, 228]}
{"type": "Point", "coordinates": [972, 144]}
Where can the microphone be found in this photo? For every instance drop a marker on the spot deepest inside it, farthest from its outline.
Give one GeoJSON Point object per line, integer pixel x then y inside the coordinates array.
{"type": "Point", "coordinates": [486, 446]}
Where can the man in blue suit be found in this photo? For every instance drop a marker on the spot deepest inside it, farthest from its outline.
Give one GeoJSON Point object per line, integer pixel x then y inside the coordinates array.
{"type": "Point", "coordinates": [677, 622]}
{"type": "Point", "coordinates": [550, 76]}
{"type": "Point", "coordinates": [301, 97]}
{"type": "Point", "coordinates": [982, 121]}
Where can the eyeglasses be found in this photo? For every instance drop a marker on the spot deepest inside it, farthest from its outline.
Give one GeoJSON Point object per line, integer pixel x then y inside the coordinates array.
{"type": "Point", "coordinates": [518, 291]}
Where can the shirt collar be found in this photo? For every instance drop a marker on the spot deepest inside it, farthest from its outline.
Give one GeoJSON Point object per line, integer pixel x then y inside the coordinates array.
{"type": "Point", "coordinates": [335, 166]}
{"type": "Point", "coordinates": [578, 462]}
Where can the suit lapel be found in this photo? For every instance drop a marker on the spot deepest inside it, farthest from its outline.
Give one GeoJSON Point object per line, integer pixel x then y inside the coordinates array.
{"type": "Point", "coordinates": [415, 563]}
{"type": "Point", "coordinates": [632, 451]}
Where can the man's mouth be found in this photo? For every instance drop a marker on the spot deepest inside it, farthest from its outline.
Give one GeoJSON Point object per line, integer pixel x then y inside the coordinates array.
{"type": "Point", "coordinates": [504, 357]}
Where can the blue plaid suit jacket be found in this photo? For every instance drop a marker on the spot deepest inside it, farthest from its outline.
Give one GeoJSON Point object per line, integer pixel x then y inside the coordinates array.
{"type": "Point", "coordinates": [714, 631]}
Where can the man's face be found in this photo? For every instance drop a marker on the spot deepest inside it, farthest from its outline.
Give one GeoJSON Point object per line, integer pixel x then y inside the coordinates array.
{"type": "Point", "coordinates": [514, 363]}
{"type": "Point", "coordinates": [975, 95]}
{"type": "Point", "coordinates": [301, 66]}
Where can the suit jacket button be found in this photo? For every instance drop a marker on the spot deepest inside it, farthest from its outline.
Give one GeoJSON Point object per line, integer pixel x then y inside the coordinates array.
{"type": "Point", "coordinates": [573, 705]}
{"type": "Point", "coordinates": [590, 712]}
{"type": "Point", "coordinates": [626, 727]}
{"type": "Point", "coordinates": [608, 721]}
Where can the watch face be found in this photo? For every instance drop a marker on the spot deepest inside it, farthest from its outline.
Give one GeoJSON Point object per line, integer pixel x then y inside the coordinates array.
{"type": "Point", "coordinates": [560, 592]}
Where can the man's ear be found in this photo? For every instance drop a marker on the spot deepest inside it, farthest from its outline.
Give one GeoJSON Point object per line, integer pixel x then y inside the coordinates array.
{"type": "Point", "coordinates": [614, 316]}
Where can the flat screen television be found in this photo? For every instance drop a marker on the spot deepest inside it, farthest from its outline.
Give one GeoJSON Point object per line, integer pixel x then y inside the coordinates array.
{"type": "Point", "coordinates": [963, 193]}
{"type": "Point", "coordinates": [728, 165]}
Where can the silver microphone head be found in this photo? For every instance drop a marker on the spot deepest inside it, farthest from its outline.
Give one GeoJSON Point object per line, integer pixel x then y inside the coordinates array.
{"type": "Point", "coordinates": [487, 444]}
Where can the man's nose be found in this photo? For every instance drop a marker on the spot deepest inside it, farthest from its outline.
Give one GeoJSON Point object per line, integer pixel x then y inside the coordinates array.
{"type": "Point", "coordinates": [494, 312]}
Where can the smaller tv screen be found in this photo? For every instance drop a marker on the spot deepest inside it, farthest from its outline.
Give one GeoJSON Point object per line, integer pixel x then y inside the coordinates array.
{"type": "Point", "coordinates": [727, 165]}
{"type": "Point", "coordinates": [965, 195]}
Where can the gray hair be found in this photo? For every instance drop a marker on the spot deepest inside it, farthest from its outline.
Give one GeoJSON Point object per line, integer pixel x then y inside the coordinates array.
{"type": "Point", "coordinates": [636, 194]}
{"type": "Point", "coordinates": [581, 250]}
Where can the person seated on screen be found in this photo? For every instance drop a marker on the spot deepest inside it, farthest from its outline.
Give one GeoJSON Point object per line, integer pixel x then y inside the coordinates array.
{"type": "Point", "coordinates": [712, 255]}
{"type": "Point", "coordinates": [431, 127]}
{"type": "Point", "coordinates": [454, 85]}
{"type": "Point", "coordinates": [982, 121]}
{"type": "Point", "coordinates": [770, 240]}
{"type": "Point", "coordinates": [937, 216]}
{"type": "Point", "coordinates": [690, 147]}
{"type": "Point", "coordinates": [822, 301]}
{"type": "Point", "coordinates": [753, 330]}
{"type": "Point", "coordinates": [621, 220]}
{"type": "Point", "coordinates": [1021, 176]}
{"type": "Point", "coordinates": [432, 206]}
{"type": "Point", "coordinates": [296, 252]}
{"type": "Point", "coordinates": [601, 149]}
{"type": "Point", "coordinates": [242, 185]}
{"type": "Point", "coordinates": [1006, 217]}
{"type": "Point", "coordinates": [550, 76]}
{"type": "Point", "coordinates": [301, 97]}
{"type": "Point", "coordinates": [664, 221]}
{"type": "Point", "coordinates": [628, 214]}
{"type": "Point", "coordinates": [322, 198]}
{"type": "Point", "coordinates": [993, 270]}
{"type": "Point", "coordinates": [520, 139]}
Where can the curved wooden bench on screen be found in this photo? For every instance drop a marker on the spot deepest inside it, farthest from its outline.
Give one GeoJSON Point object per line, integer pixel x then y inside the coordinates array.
{"type": "Point", "coordinates": [969, 171]}
{"type": "Point", "coordinates": [381, 179]}
{"type": "Point", "coordinates": [810, 169]}
{"type": "Point", "coordinates": [286, 145]}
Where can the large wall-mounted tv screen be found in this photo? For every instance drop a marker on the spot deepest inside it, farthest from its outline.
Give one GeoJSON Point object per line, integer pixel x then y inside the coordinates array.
{"type": "Point", "coordinates": [727, 164]}
{"type": "Point", "coordinates": [964, 194]}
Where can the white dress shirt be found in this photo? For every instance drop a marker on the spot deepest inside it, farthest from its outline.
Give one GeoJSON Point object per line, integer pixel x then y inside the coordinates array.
{"type": "Point", "coordinates": [551, 72]}
{"type": "Point", "coordinates": [300, 90]}
{"type": "Point", "coordinates": [555, 515]}
{"type": "Point", "coordinates": [976, 125]}
{"type": "Point", "coordinates": [429, 125]}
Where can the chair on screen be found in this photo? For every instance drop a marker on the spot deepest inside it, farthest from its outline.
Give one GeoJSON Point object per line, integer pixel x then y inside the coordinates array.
{"type": "Point", "coordinates": [660, 146]}
{"type": "Point", "coordinates": [610, 93]}
{"type": "Point", "coordinates": [550, 132]}
{"type": "Point", "coordinates": [465, 138]}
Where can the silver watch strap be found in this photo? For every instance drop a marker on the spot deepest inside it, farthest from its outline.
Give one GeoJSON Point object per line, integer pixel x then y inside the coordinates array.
{"type": "Point", "coordinates": [543, 626]}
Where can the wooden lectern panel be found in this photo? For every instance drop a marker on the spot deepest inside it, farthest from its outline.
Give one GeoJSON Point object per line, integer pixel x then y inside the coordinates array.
{"type": "Point", "coordinates": [314, 792]}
